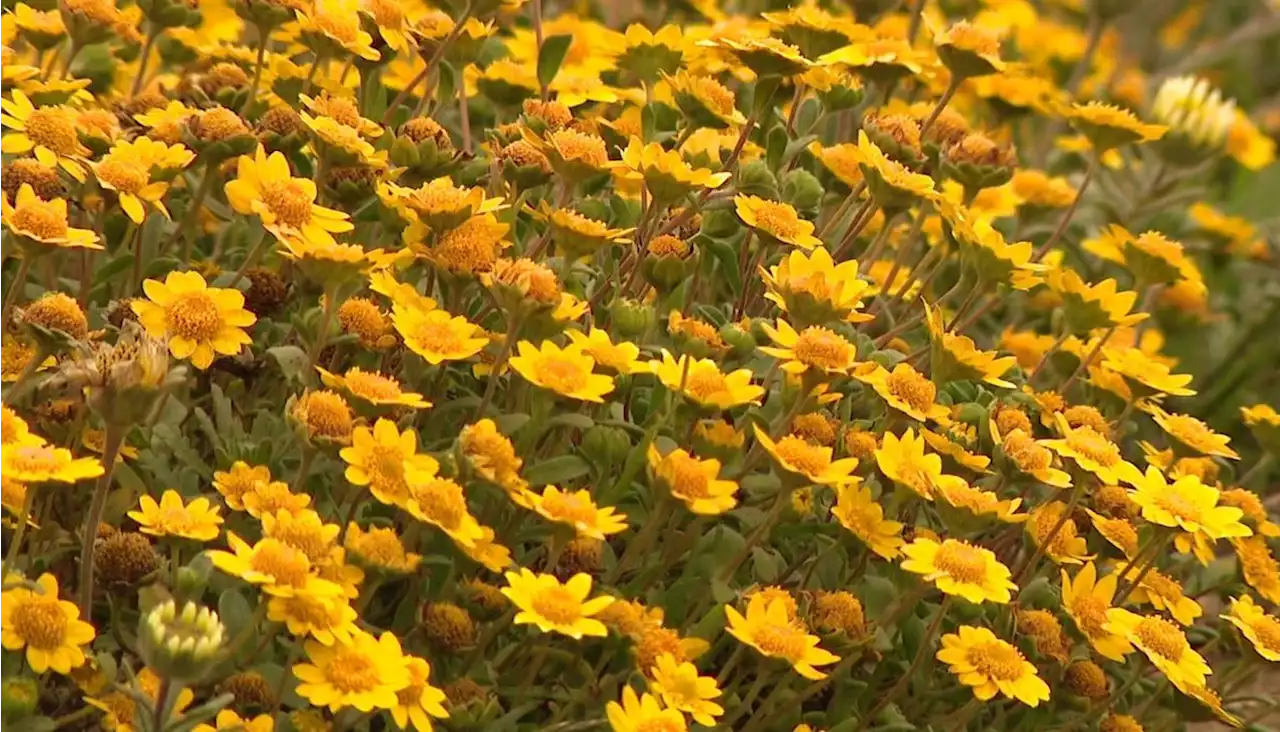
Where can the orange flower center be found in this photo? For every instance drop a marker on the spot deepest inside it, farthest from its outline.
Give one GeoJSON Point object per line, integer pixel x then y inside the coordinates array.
{"type": "Point", "coordinates": [1190, 430]}
{"type": "Point", "coordinates": [1028, 455]}
{"type": "Point", "coordinates": [1177, 503]}
{"type": "Point", "coordinates": [40, 622]}
{"type": "Point", "coordinates": [574, 145]}
{"type": "Point", "coordinates": [570, 508]}
{"type": "Point", "coordinates": [343, 28]}
{"type": "Point", "coordinates": [51, 127]}
{"type": "Point", "coordinates": [777, 219]}
{"type": "Point", "coordinates": [687, 477]}
{"type": "Point", "coordinates": [703, 383]}
{"type": "Point", "coordinates": [1267, 629]}
{"type": "Point", "coordinates": [974, 38]}
{"type": "Point", "coordinates": [784, 641]}
{"type": "Point", "coordinates": [194, 316]}
{"type": "Point", "coordinates": [352, 671]}
{"type": "Point", "coordinates": [996, 660]}
{"type": "Point", "coordinates": [284, 564]}
{"type": "Point", "coordinates": [309, 610]}
{"type": "Point", "coordinates": [307, 538]}
{"type": "Point", "coordinates": [437, 336]}
{"type": "Point", "coordinates": [176, 520]}
{"type": "Point", "coordinates": [362, 317]}
{"type": "Point", "coordinates": [386, 466]}
{"type": "Point", "coordinates": [1162, 637]}
{"type": "Point", "coordinates": [42, 219]}
{"type": "Point", "coordinates": [910, 387]}
{"type": "Point", "coordinates": [821, 347]}
{"type": "Point", "coordinates": [39, 459]}
{"type": "Point", "coordinates": [371, 386]}
{"type": "Point", "coordinates": [557, 605]}
{"type": "Point", "coordinates": [442, 501]}
{"type": "Point", "coordinates": [962, 561]}
{"type": "Point", "coordinates": [288, 202]}
{"type": "Point", "coordinates": [714, 95]}
{"type": "Point", "coordinates": [325, 414]}
{"type": "Point", "coordinates": [343, 111]}
{"type": "Point", "coordinates": [126, 176]}
{"type": "Point", "coordinates": [381, 547]}
{"type": "Point", "coordinates": [802, 456]}
{"type": "Point", "coordinates": [561, 374]}
{"type": "Point", "coordinates": [1088, 442]}
{"type": "Point", "coordinates": [659, 724]}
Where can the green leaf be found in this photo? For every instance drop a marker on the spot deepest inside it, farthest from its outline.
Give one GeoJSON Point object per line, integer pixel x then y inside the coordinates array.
{"type": "Point", "coordinates": [776, 147]}
{"type": "Point", "coordinates": [572, 419]}
{"type": "Point", "coordinates": [293, 361]}
{"type": "Point", "coordinates": [766, 564]}
{"type": "Point", "coordinates": [551, 56]}
{"type": "Point", "coordinates": [728, 260]}
{"type": "Point", "coordinates": [557, 470]}
{"type": "Point", "coordinates": [234, 611]}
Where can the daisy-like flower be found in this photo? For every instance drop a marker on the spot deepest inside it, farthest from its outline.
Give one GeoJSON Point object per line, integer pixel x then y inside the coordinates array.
{"type": "Point", "coordinates": [33, 219]}
{"type": "Point", "coordinates": [365, 673]}
{"type": "Point", "coordinates": [265, 187]}
{"type": "Point", "coordinates": [775, 222]}
{"type": "Point", "coordinates": [959, 568]}
{"type": "Point", "coordinates": [1120, 532]}
{"type": "Point", "coordinates": [903, 389]}
{"type": "Point", "coordinates": [1092, 307]}
{"type": "Point", "coordinates": [486, 551]}
{"type": "Point", "coordinates": [380, 458]}
{"type": "Point", "coordinates": [811, 464]}
{"type": "Point", "coordinates": [1152, 257]}
{"type": "Point", "coordinates": [441, 503]}
{"type": "Point", "coordinates": [665, 174]}
{"type": "Point", "coordinates": [622, 357]}
{"type": "Point", "coordinates": [47, 132]}
{"type": "Point", "coordinates": [1146, 374]}
{"type": "Point", "coordinates": [198, 321]}
{"type": "Point", "coordinates": [271, 497]}
{"type": "Point", "coordinates": [576, 234]}
{"type": "Point", "coordinates": [329, 619]}
{"type": "Point", "coordinates": [1164, 644]}
{"type": "Point", "coordinates": [764, 56]}
{"type": "Point", "coordinates": [578, 510]}
{"type": "Point", "coordinates": [1087, 600]}
{"type": "Point", "coordinates": [969, 50]}
{"type": "Point", "coordinates": [128, 170]}
{"type": "Point", "coordinates": [813, 348]}
{"type": "Point", "coordinates": [892, 184]}
{"type": "Point", "coordinates": [704, 101]}
{"type": "Point", "coordinates": [1165, 594]}
{"type": "Point", "coordinates": [904, 461]}
{"type": "Point", "coordinates": [639, 713]}
{"type": "Point", "coordinates": [38, 462]}
{"type": "Point", "coordinates": [767, 628]}
{"type": "Point", "coordinates": [1029, 456]}
{"type": "Point", "coordinates": [380, 548]}
{"type": "Point", "coordinates": [702, 382]}
{"type": "Point", "coordinates": [573, 154]}
{"type": "Point", "coordinates": [335, 25]}
{"type": "Point", "coordinates": [813, 289]}
{"type": "Point", "coordinates": [232, 722]}
{"type": "Point", "coordinates": [16, 431]}
{"type": "Point", "coordinates": [1192, 433]}
{"type": "Point", "coordinates": [565, 371]}
{"type": "Point", "coordinates": [49, 630]}
{"type": "Point", "coordinates": [1093, 451]}
{"type": "Point", "coordinates": [555, 607]}
{"type": "Point", "coordinates": [695, 482]}
{"type": "Point", "coordinates": [1187, 504]}
{"type": "Point", "coordinates": [1109, 127]}
{"type": "Point", "coordinates": [1262, 630]}
{"type": "Point", "coordinates": [957, 358]}
{"type": "Point", "coordinates": [857, 510]}
{"type": "Point", "coordinates": [439, 205]}
{"type": "Point", "coordinates": [680, 687]}
{"type": "Point", "coordinates": [418, 702]}
{"type": "Point", "coordinates": [197, 520]}
{"type": "Point", "coordinates": [1260, 569]}
{"type": "Point", "coordinates": [233, 484]}
{"type": "Point", "coordinates": [373, 388]}
{"type": "Point", "coordinates": [281, 570]}
{"type": "Point", "coordinates": [489, 452]}
{"type": "Point", "coordinates": [436, 335]}
{"type": "Point", "coordinates": [991, 666]}
{"type": "Point", "coordinates": [1065, 546]}
{"type": "Point", "coordinates": [980, 502]}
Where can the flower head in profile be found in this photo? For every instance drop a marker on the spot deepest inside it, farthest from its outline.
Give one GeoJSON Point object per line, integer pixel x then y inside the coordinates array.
{"type": "Point", "coordinates": [959, 568]}
{"type": "Point", "coordinates": [1146, 375]}
{"type": "Point", "coordinates": [814, 290]}
{"type": "Point", "coordinates": [704, 101]}
{"type": "Point", "coordinates": [233, 484]}
{"type": "Point", "coordinates": [265, 187]}
{"type": "Point", "coordinates": [1089, 307]}
{"type": "Point", "coordinates": [1093, 451]}
{"type": "Point", "coordinates": [557, 607]}
{"type": "Point", "coordinates": [1260, 628]}
{"type": "Point", "coordinates": [437, 336]}
{"type": "Point", "coordinates": [767, 628]}
{"type": "Point", "coordinates": [991, 666]}
{"type": "Point", "coordinates": [666, 175]}
{"type": "Point", "coordinates": [279, 569]}
{"type": "Point", "coordinates": [775, 221]}
{"type": "Point", "coordinates": [702, 382]}
{"type": "Point", "coordinates": [196, 520]}
{"type": "Point", "coordinates": [578, 510]}
{"type": "Point", "coordinates": [44, 222]}
{"type": "Point", "coordinates": [380, 548]}
{"type": "Point", "coordinates": [642, 712]}
{"type": "Point", "coordinates": [1107, 126]}
{"type": "Point", "coordinates": [957, 358]}
{"type": "Point", "coordinates": [373, 388]}
{"type": "Point", "coordinates": [904, 389]}
{"type": "Point", "coordinates": [680, 687]}
{"type": "Point", "coordinates": [335, 25]}
{"type": "Point", "coordinates": [420, 701]}
{"type": "Point", "coordinates": [1064, 546]}
{"type": "Point", "coordinates": [198, 321]}
{"type": "Point", "coordinates": [1193, 433]}
{"type": "Point", "coordinates": [811, 464]}
{"type": "Point", "coordinates": [1187, 504]}
{"type": "Point", "coordinates": [565, 371]}
{"type": "Point", "coordinates": [815, 348]}
{"type": "Point", "coordinates": [695, 482]}
{"type": "Point", "coordinates": [903, 461]}
{"type": "Point", "coordinates": [48, 631]}
{"type": "Point", "coordinates": [764, 56]}
{"type": "Point", "coordinates": [1164, 644]}
{"type": "Point", "coordinates": [39, 462]}
{"type": "Point", "coordinates": [857, 510]}
{"type": "Point", "coordinates": [49, 133]}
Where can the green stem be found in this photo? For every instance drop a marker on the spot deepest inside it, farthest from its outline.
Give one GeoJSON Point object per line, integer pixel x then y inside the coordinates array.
{"type": "Point", "coordinates": [264, 36]}
{"type": "Point", "coordinates": [901, 685]}
{"type": "Point", "coordinates": [251, 259]}
{"type": "Point", "coordinates": [322, 335]}
{"type": "Point", "coordinates": [491, 385]}
{"type": "Point", "coordinates": [16, 287]}
{"type": "Point", "coordinates": [112, 441]}
{"type": "Point", "coordinates": [153, 32]}
{"type": "Point", "coordinates": [1071, 211]}
{"type": "Point", "coordinates": [20, 531]}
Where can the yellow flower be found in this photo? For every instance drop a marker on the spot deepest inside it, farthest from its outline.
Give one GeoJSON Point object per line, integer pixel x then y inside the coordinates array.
{"type": "Point", "coordinates": [1087, 600]}
{"type": "Point", "coordinates": [374, 388]}
{"type": "Point", "coordinates": [303, 530]}
{"type": "Point", "coordinates": [579, 511]}
{"type": "Point", "coordinates": [704, 101]}
{"type": "Point", "coordinates": [281, 570]}
{"type": "Point", "coordinates": [814, 347]}
{"type": "Point", "coordinates": [702, 382]}
{"type": "Point", "coordinates": [1165, 595]}
{"type": "Point", "coordinates": [15, 430]}
{"type": "Point", "coordinates": [487, 551]}
{"type": "Point", "coordinates": [489, 452]}
{"type": "Point", "coordinates": [441, 503]}
{"type": "Point", "coordinates": [573, 154]}
{"type": "Point", "coordinates": [813, 289]}
{"type": "Point", "coordinates": [980, 502]}
{"type": "Point", "coordinates": [991, 666]}
{"type": "Point", "coordinates": [555, 607]}
{"type": "Point", "coordinates": [337, 23]}
{"type": "Point", "coordinates": [128, 167]}
{"type": "Point", "coordinates": [969, 50]}
{"type": "Point", "coordinates": [567, 371]}
{"type": "Point", "coordinates": [1120, 532]}
{"type": "Point", "coordinates": [418, 702]}
{"type": "Point", "coordinates": [380, 457]}
{"type": "Point", "coordinates": [576, 234]}
{"type": "Point", "coordinates": [198, 321]}
{"type": "Point", "coordinates": [365, 673]}
{"type": "Point", "coordinates": [1093, 451]}
{"type": "Point", "coordinates": [49, 629]}
{"type": "Point", "coordinates": [380, 547]}
{"type": "Point", "coordinates": [893, 184]}
{"type": "Point", "coordinates": [34, 219]}
{"type": "Point", "coordinates": [764, 56]}
{"type": "Point", "coordinates": [238, 481]}
{"type": "Point", "coordinates": [1249, 146]}
{"type": "Point", "coordinates": [903, 389]}
{"type": "Point", "coordinates": [904, 461]}
{"type": "Point", "coordinates": [264, 187]}
{"type": "Point", "coordinates": [957, 358]}
{"type": "Point", "coordinates": [196, 520]}
{"type": "Point", "coordinates": [232, 722]}
{"type": "Point", "coordinates": [271, 497]}
{"type": "Point", "coordinates": [680, 687]}
{"type": "Point", "coordinates": [48, 131]}
{"type": "Point", "coordinates": [1163, 643]}
{"type": "Point", "coordinates": [767, 629]}
{"type": "Point", "coordinates": [1192, 433]}
{"type": "Point", "coordinates": [775, 222]}
{"type": "Point", "coordinates": [883, 58]}
{"type": "Point", "coordinates": [1089, 307]}
{"type": "Point", "coordinates": [1108, 126]}
{"type": "Point", "coordinates": [959, 568]}
{"type": "Point", "coordinates": [1262, 630]}
{"type": "Point", "coordinates": [857, 511]}
{"type": "Point", "coordinates": [1151, 256]}
{"type": "Point", "coordinates": [666, 175]}
{"type": "Point", "coordinates": [642, 714]}
{"type": "Point", "coordinates": [41, 463]}
{"type": "Point", "coordinates": [343, 110]}
{"type": "Point", "coordinates": [439, 204]}
{"type": "Point", "coordinates": [694, 482]}
{"type": "Point", "coordinates": [1187, 504]}
{"type": "Point", "coordinates": [621, 357]}
{"type": "Point", "coordinates": [1066, 546]}
{"type": "Point", "coordinates": [435, 335]}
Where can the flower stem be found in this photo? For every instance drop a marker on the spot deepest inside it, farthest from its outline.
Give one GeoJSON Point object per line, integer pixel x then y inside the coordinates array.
{"type": "Point", "coordinates": [15, 288]}
{"type": "Point", "coordinates": [112, 441]}
{"type": "Point", "coordinates": [20, 531]}
{"type": "Point", "coordinates": [491, 386]}
{"type": "Point", "coordinates": [1071, 210]}
{"type": "Point", "coordinates": [250, 260]}
{"type": "Point", "coordinates": [1030, 567]}
{"type": "Point", "coordinates": [901, 685]}
{"type": "Point", "coordinates": [264, 35]}
{"type": "Point", "coordinates": [153, 32]}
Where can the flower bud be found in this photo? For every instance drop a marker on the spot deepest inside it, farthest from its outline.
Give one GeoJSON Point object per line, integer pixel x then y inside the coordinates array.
{"type": "Point", "coordinates": [976, 162]}
{"type": "Point", "coordinates": [740, 337]}
{"type": "Point", "coordinates": [802, 190]}
{"type": "Point", "coordinates": [424, 148]}
{"type": "Point", "coordinates": [668, 262]}
{"type": "Point", "coordinates": [606, 446]}
{"type": "Point", "coordinates": [631, 318]}
{"type": "Point", "coordinates": [1197, 116]}
{"type": "Point", "coordinates": [180, 643]}
{"type": "Point", "coordinates": [18, 698]}
{"type": "Point", "coordinates": [755, 179]}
